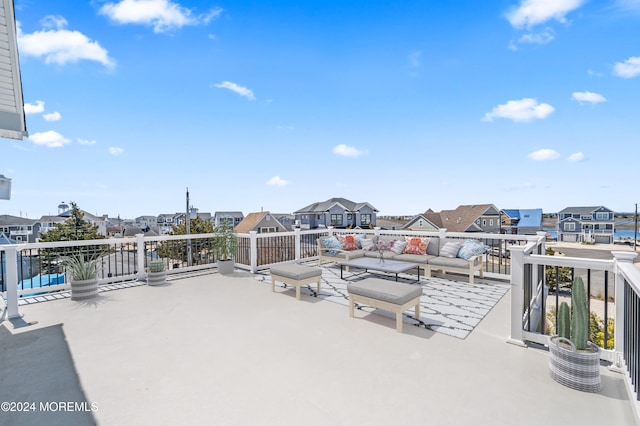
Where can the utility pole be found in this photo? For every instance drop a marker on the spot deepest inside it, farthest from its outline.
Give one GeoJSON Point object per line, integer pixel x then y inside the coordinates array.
{"type": "Point", "coordinates": [188, 230]}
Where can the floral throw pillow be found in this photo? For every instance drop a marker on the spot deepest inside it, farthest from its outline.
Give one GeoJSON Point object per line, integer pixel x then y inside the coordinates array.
{"type": "Point", "coordinates": [331, 243]}
{"type": "Point", "coordinates": [416, 245]}
{"type": "Point", "coordinates": [348, 242]}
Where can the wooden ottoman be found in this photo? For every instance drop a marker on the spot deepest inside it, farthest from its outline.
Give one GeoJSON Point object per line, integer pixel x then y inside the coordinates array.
{"type": "Point", "coordinates": [388, 295]}
{"type": "Point", "coordinates": [297, 275]}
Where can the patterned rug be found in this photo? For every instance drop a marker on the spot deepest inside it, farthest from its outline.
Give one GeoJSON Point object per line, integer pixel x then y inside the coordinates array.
{"type": "Point", "coordinates": [450, 307]}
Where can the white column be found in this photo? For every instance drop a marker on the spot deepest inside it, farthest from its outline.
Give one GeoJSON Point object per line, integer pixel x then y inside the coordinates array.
{"type": "Point", "coordinates": [142, 273]}
{"type": "Point", "coordinates": [11, 277]}
{"type": "Point", "coordinates": [296, 232]}
{"type": "Point", "coordinates": [517, 282]}
{"type": "Point", "coordinates": [253, 250]}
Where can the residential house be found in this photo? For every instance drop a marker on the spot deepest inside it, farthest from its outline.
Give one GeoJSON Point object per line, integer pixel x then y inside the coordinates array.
{"type": "Point", "coordinates": [336, 212]}
{"type": "Point", "coordinates": [261, 222]}
{"type": "Point", "coordinates": [165, 222]}
{"type": "Point", "coordinates": [467, 218]}
{"type": "Point", "coordinates": [420, 223]}
{"type": "Point", "coordinates": [521, 221]}
{"type": "Point", "coordinates": [586, 224]}
{"type": "Point", "coordinates": [233, 218]}
{"type": "Point", "coordinates": [19, 229]}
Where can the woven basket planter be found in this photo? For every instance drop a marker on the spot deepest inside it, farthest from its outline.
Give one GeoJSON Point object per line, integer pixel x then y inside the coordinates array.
{"type": "Point", "coordinates": [157, 278]}
{"type": "Point", "coordinates": [84, 289]}
{"type": "Point", "coordinates": [578, 370]}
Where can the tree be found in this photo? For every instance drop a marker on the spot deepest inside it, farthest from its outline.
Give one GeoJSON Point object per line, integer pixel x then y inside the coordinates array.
{"type": "Point", "coordinates": [564, 273]}
{"type": "Point", "coordinates": [74, 228]}
{"type": "Point", "coordinates": [177, 250]}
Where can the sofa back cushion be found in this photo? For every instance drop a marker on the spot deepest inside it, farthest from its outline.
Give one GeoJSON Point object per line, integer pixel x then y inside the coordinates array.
{"type": "Point", "coordinates": [433, 248]}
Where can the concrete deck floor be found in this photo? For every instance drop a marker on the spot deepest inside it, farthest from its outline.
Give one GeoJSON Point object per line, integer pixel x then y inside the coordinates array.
{"type": "Point", "coordinates": [224, 350]}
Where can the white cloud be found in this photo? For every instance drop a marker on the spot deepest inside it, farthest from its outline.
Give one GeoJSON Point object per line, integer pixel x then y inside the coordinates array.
{"type": "Point", "coordinates": [627, 69]}
{"type": "Point", "coordinates": [592, 73]}
{"type": "Point", "coordinates": [278, 181]}
{"type": "Point", "coordinates": [115, 151]}
{"type": "Point", "coordinates": [60, 46]}
{"type": "Point", "coordinates": [348, 151]}
{"type": "Point", "coordinates": [86, 142]}
{"type": "Point", "coordinates": [544, 154]}
{"type": "Point", "coordinates": [628, 5]}
{"type": "Point", "coordinates": [590, 97]}
{"type": "Point", "coordinates": [543, 37]}
{"type": "Point", "coordinates": [162, 15]}
{"type": "Point", "coordinates": [54, 116]}
{"type": "Point", "coordinates": [242, 91]}
{"type": "Point", "coordinates": [534, 12]}
{"type": "Point", "coordinates": [414, 59]}
{"type": "Point", "coordinates": [34, 109]}
{"type": "Point", "coordinates": [50, 139]}
{"type": "Point", "coordinates": [525, 109]}
{"type": "Point", "coordinates": [575, 157]}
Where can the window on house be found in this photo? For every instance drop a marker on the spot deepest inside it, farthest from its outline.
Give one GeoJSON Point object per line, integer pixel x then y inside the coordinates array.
{"type": "Point", "coordinates": [319, 217]}
{"type": "Point", "coordinates": [602, 216]}
{"type": "Point", "coordinates": [490, 222]}
{"type": "Point", "coordinates": [571, 226]}
{"type": "Point", "coordinates": [336, 219]}
{"type": "Point", "coordinates": [349, 217]}
{"type": "Point", "coordinates": [478, 221]}
{"type": "Point", "coordinates": [365, 219]}
{"type": "Point", "coordinates": [484, 222]}
{"type": "Point", "coordinates": [266, 229]}
{"type": "Point", "coordinates": [420, 223]}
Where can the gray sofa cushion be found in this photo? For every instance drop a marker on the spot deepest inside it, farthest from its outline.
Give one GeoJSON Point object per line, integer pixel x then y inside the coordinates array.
{"type": "Point", "coordinates": [414, 258]}
{"type": "Point", "coordinates": [433, 248]}
{"type": "Point", "coordinates": [296, 272]}
{"type": "Point", "coordinates": [446, 261]}
{"type": "Point", "coordinates": [388, 291]}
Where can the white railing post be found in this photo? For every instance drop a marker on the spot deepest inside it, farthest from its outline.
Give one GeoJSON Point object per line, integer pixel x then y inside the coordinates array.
{"type": "Point", "coordinates": [253, 250]}
{"type": "Point", "coordinates": [11, 262]}
{"type": "Point", "coordinates": [542, 235]}
{"type": "Point", "coordinates": [517, 295]}
{"type": "Point", "coordinates": [442, 233]}
{"type": "Point", "coordinates": [618, 336]}
{"type": "Point", "coordinates": [297, 236]}
{"type": "Point", "coordinates": [376, 232]}
{"type": "Point", "coordinates": [330, 229]}
{"type": "Point", "coordinates": [141, 256]}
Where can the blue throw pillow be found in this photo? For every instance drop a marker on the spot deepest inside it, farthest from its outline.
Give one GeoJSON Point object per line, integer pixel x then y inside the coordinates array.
{"type": "Point", "coordinates": [331, 243]}
{"type": "Point", "coordinates": [471, 248]}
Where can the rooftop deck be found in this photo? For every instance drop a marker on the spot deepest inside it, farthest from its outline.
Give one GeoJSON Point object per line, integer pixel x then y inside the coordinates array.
{"type": "Point", "coordinates": [213, 349]}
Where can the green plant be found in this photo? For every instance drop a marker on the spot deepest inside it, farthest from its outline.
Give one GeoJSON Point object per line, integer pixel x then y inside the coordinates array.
{"type": "Point", "coordinates": [81, 268]}
{"type": "Point", "coordinates": [225, 242]}
{"type": "Point", "coordinates": [156, 266]}
{"type": "Point", "coordinates": [579, 323]}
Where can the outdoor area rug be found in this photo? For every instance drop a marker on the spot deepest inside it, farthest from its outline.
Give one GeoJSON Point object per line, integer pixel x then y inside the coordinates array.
{"type": "Point", "coordinates": [450, 307]}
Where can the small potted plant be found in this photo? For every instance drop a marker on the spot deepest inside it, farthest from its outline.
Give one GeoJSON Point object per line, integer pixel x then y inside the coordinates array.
{"type": "Point", "coordinates": [84, 276]}
{"type": "Point", "coordinates": [575, 361]}
{"type": "Point", "coordinates": [157, 275]}
{"type": "Point", "coordinates": [225, 244]}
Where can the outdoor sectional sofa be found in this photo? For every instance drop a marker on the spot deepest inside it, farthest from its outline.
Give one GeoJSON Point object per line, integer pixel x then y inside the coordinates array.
{"type": "Point", "coordinates": [444, 256]}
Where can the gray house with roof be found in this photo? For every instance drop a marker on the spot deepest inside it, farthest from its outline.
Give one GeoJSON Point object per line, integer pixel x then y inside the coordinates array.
{"type": "Point", "coordinates": [586, 224]}
{"type": "Point", "coordinates": [336, 212]}
{"type": "Point", "coordinates": [521, 221]}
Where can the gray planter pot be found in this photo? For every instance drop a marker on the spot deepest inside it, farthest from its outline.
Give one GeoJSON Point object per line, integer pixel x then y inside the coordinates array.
{"type": "Point", "coordinates": [84, 289]}
{"type": "Point", "coordinates": [226, 267]}
{"type": "Point", "coordinates": [578, 370]}
{"type": "Point", "coordinates": [157, 278]}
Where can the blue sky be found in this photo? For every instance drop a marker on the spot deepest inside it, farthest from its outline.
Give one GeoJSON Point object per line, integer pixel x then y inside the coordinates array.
{"type": "Point", "coordinates": [276, 104]}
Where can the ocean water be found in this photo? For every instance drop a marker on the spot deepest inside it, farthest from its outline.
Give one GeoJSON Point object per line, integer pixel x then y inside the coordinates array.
{"type": "Point", "coordinates": [619, 234]}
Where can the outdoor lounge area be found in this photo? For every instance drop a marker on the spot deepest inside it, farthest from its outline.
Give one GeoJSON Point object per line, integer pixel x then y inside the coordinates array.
{"type": "Point", "coordinates": [208, 348]}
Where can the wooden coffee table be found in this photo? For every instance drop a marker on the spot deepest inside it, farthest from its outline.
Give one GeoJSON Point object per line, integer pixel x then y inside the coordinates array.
{"type": "Point", "coordinates": [374, 264]}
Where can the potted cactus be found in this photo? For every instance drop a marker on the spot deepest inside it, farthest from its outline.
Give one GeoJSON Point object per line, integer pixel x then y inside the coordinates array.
{"type": "Point", "coordinates": [157, 274]}
{"type": "Point", "coordinates": [574, 360]}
